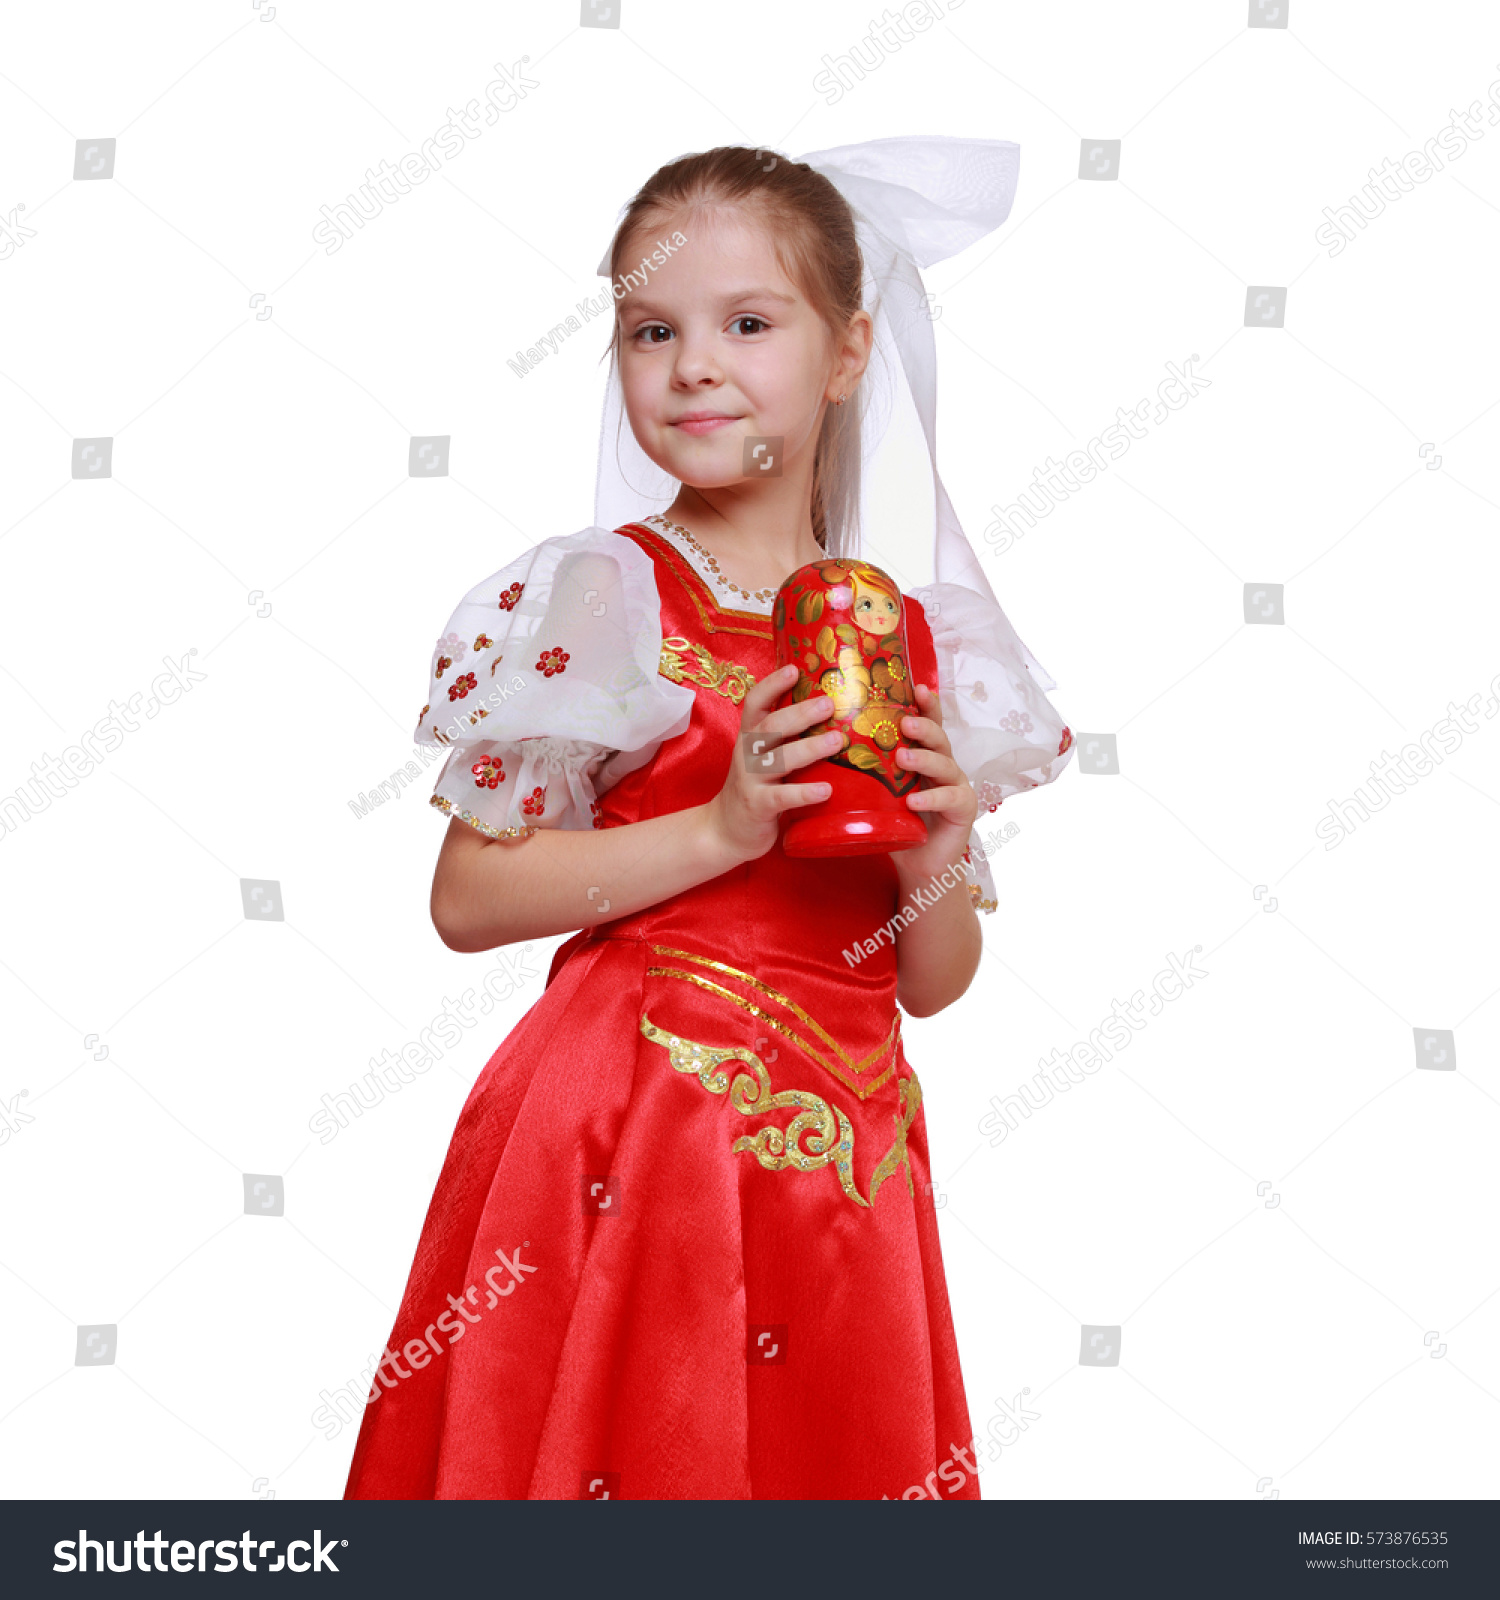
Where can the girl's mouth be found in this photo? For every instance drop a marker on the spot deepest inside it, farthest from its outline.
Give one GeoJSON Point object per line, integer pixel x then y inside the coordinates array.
{"type": "Point", "coordinates": [701, 422]}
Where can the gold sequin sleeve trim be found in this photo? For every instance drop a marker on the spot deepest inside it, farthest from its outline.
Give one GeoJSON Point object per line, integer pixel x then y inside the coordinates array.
{"type": "Point", "coordinates": [444, 804]}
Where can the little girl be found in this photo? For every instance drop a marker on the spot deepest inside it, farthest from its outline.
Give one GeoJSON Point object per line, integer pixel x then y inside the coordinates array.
{"type": "Point", "coordinates": [701, 1155]}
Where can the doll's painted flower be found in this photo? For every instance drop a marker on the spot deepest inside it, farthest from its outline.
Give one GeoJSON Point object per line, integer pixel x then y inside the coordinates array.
{"type": "Point", "coordinates": [553, 661]}
{"type": "Point", "coordinates": [508, 597]}
{"type": "Point", "coordinates": [461, 685]}
{"type": "Point", "coordinates": [1016, 722]}
{"type": "Point", "coordinates": [489, 772]}
{"type": "Point", "coordinates": [878, 722]}
{"type": "Point", "coordinates": [535, 803]}
{"type": "Point", "coordinates": [889, 681]}
{"type": "Point", "coordinates": [443, 663]}
{"type": "Point", "coordinates": [483, 642]}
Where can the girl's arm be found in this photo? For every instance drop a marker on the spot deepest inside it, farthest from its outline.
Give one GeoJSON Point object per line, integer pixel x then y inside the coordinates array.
{"type": "Point", "coordinates": [938, 954]}
{"type": "Point", "coordinates": [488, 892]}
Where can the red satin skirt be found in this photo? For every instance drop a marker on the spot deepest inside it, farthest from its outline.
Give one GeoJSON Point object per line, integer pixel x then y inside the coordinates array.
{"type": "Point", "coordinates": [683, 1244]}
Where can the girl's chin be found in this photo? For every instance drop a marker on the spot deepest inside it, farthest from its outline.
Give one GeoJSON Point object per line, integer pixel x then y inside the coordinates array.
{"type": "Point", "coordinates": [699, 470]}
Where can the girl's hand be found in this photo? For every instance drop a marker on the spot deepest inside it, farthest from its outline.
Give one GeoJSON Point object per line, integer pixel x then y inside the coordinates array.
{"type": "Point", "coordinates": [949, 806]}
{"type": "Point", "coordinates": [744, 816]}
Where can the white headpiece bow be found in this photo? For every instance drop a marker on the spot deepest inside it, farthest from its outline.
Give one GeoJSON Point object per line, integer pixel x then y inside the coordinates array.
{"type": "Point", "coordinates": [916, 200]}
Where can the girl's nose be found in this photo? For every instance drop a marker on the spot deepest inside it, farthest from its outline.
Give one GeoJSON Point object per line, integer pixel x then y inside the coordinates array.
{"type": "Point", "coordinates": [696, 362]}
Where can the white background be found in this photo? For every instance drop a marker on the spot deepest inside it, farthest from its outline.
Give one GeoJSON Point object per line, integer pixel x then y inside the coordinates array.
{"type": "Point", "coordinates": [1289, 1220]}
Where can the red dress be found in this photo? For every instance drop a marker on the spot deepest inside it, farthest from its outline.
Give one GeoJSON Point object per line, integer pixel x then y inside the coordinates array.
{"type": "Point", "coordinates": [684, 1227]}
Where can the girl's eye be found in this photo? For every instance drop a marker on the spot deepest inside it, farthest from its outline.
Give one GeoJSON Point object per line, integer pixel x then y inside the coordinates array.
{"type": "Point", "coordinates": [758, 321]}
{"type": "Point", "coordinates": [646, 329]}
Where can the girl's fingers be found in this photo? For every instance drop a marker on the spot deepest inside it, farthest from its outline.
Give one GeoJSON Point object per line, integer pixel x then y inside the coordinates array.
{"type": "Point", "coordinates": [930, 703]}
{"type": "Point", "coordinates": [946, 799]}
{"type": "Point", "coordinates": [796, 718]}
{"type": "Point", "coordinates": [925, 731]}
{"type": "Point", "coordinates": [934, 763]}
{"type": "Point", "coordinates": [788, 796]}
{"type": "Point", "coordinates": [797, 753]}
{"type": "Point", "coordinates": [761, 696]}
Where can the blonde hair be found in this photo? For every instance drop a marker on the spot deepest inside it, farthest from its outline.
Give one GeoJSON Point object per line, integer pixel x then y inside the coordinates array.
{"type": "Point", "coordinates": [812, 234]}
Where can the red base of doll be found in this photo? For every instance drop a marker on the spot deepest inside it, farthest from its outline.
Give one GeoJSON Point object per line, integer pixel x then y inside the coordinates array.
{"type": "Point", "coordinates": [860, 818]}
{"type": "Point", "coordinates": [853, 833]}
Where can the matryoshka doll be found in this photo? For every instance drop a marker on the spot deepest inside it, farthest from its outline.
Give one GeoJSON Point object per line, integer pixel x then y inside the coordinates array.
{"type": "Point", "coordinates": [842, 623]}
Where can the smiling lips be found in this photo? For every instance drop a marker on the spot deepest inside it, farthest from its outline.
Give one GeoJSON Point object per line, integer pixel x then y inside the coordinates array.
{"type": "Point", "coordinates": [701, 422]}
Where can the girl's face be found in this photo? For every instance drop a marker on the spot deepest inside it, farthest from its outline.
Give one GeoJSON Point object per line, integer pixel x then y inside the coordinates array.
{"type": "Point", "coordinates": [718, 347]}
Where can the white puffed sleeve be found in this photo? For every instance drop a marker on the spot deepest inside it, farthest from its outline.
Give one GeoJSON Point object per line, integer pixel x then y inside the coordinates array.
{"type": "Point", "coordinates": [1006, 735]}
{"type": "Point", "coordinates": [545, 686]}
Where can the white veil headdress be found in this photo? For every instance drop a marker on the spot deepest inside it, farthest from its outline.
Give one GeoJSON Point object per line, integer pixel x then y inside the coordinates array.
{"type": "Point", "coordinates": [916, 200]}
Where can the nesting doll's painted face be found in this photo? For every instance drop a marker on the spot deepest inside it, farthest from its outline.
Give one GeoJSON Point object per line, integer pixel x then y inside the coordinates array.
{"type": "Point", "coordinates": [874, 612]}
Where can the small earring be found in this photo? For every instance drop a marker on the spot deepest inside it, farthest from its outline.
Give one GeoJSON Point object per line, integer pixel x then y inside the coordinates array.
{"type": "Point", "coordinates": [841, 399]}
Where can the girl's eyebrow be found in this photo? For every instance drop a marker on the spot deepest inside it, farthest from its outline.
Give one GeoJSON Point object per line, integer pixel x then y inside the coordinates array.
{"type": "Point", "coordinates": [650, 307]}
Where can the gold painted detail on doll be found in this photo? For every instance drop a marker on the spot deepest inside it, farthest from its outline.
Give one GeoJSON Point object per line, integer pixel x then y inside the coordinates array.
{"type": "Point", "coordinates": [818, 1136]}
{"type": "Point", "coordinates": [834, 1059]}
{"type": "Point", "coordinates": [727, 678]}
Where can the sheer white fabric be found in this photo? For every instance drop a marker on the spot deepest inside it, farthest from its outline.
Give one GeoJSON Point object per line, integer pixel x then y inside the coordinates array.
{"type": "Point", "coordinates": [545, 686]}
{"type": "Point", "coordinates": [916, 201]}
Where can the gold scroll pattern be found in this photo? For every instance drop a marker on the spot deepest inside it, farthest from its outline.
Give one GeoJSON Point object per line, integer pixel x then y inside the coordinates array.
{"type": "Point", "coordinates": [818, 1135]}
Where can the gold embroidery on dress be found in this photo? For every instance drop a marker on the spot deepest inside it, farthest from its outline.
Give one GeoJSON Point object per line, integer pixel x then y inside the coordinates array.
{"type": "Point", "coordinates": [839, 1062]}
{"type": "Point", "coordinates": [911, 1102]}
{"type": "Point", "coordinates": [728, 678]}
{"type": "Point", "coordinates": [698, 591]}
{"type": "Point", "coordinates": [824, 1127]}
{"type": "Point", "coordinates": [829, 1138]}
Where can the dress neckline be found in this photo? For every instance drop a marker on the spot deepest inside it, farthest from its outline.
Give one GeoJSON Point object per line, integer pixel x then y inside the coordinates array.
{"type": "Point", "coordinates": [731, 596]}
